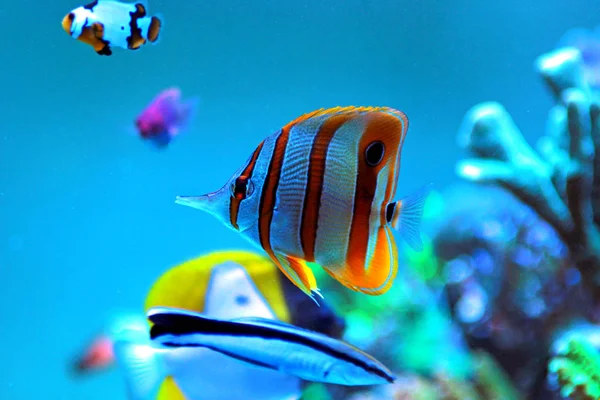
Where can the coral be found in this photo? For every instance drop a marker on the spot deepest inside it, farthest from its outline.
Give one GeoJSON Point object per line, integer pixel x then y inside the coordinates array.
{"type": "Point", "coordinates": [518, 251]}
{"type": "Point", "coordinates": [559, 182]}
{"type": "Point", "coordinates": [576, 367]}
{"type": "Point", "coordinates": [507, 276]}
{"type": "Point", "coordinates": [588, 43]}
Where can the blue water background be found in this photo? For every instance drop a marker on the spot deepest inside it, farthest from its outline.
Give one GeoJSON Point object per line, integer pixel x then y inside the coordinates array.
{"type": "Point", "coordinates": [87, 212]}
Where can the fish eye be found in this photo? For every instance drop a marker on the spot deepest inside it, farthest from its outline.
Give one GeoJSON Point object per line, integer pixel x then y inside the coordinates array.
{"type": "Point", "coordinates": [242, 300]}
{"type": "Point", "coordinates": [374, 153]}
{"type": "Point", "coordinates": [242, 187]}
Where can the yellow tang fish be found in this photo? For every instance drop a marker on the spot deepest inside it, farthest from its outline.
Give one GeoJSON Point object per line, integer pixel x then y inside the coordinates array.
{"type": "Point", "coordinates": [224, 285]}
{"type": "Point", "coordinates": [321, 190]}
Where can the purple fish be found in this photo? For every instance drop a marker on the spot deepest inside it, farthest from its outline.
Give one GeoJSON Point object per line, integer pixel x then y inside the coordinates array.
{"type": "Point", "coordinates": [165, 117]}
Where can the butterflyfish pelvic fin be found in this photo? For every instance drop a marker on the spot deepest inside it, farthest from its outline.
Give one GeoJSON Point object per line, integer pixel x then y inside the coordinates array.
{"type": "Point", "coordinates": [300, 274]}
{"type": "Point", "coordinates": [405, 216]}
{"type": "Point", "coordinates": [142, 368]}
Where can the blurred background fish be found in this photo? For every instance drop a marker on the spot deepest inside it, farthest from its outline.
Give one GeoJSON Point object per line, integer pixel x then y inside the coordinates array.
{"type": "Point", "coordinates": [98, 355]}
{"type": "Point", "coordinates": [165, 117]}
{"type": "Point", "coordinates": [227, 284]}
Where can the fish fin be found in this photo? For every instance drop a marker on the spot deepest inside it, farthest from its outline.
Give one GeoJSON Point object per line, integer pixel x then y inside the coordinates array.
{"type": "Point", "coordinates": [187, 112]}
{"type": "Point", "coordinates": [270, 323]}
{"type": "Point", "coordinates": [405, 216]}
{"type": "Point", "coordinates": [141, 8]}
{"type": "Point", "coordinates": [151, 27]}
{"type": "Point", "coordinates": [104, 51]}
{"type": "Point", "coordinates": [161, 141]}
{"type": "Point", "coordinates": [142, 367]}
{"type": "Point", "coordinates": [187, 285]}
{"type": "Point", "coordinates": [170, 391]}
{"type": "Point", "coordinates": [299, 273]}
{"type": "Point", "coordinates": [376, 277]}
{"type": "Point", "coordinates": [98, 30]}
{"type": "Point", "coordinates": [232, 293]}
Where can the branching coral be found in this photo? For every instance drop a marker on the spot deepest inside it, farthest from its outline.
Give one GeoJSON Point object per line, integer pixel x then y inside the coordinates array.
{"type": "Point", "coordinates": [560, 182]}
{"type": "Point", "coordinates": [576, 366]}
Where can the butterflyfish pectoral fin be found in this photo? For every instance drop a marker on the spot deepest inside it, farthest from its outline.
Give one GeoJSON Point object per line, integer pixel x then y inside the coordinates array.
{"type": "Point", "coordinates": [372, 273]}
{"type": "Point", "coordinates": [405, 216]}
{"type": "Point", "coordinates": [299, 273]}
{"type": "Point", "coordinates": [142, 368]}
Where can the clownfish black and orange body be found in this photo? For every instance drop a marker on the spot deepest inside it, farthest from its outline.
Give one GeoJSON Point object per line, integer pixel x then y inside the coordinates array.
{"type": "Point", "coordinates": [321, 190]}
{"type": "Point", "coordinates": [104, 24]}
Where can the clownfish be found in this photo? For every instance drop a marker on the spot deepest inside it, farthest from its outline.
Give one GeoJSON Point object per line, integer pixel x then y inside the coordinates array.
{"type": "Point", "coordinates": [321, 190]}
{"type": "Point", "coordinates": [104, 24]}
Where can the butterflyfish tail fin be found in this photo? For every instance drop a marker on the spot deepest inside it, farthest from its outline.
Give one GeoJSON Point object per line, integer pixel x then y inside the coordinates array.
{"type": "Point", "coordinates": [142, 368]}
{"type": "Point", "coordinates": [405, 216]}
{"type": "Point", "coordinates": [371, 272]}
{"type": "Point", "coordinates": [299, 273]}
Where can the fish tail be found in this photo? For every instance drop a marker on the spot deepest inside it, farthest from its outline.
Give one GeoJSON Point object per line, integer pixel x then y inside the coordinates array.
{"type": "Point", "coordinates": [405, 216]}
{"type": "Point", "coordinates": [151, 27]}
{"type": "Point", "coordinates": [142, 367]}
{"type": "Point", "coordinates": [187, 111]}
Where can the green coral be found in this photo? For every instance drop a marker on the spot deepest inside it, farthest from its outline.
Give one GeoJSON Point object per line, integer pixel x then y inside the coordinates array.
{"type": "Point", "coordinates": [577, 367]}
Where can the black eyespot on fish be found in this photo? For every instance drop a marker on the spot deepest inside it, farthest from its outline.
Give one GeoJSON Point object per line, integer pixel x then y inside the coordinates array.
{"type": "Point", "coordinates": [242, 187]}
{"type": "Point", "coordinates": [242, 300]}
{"type": "Point", "coordinates": [374, 153]}
{"type": "Point", "coordinates": [389, 211]}
{"type": "Point", "coordinates": [122, 28]}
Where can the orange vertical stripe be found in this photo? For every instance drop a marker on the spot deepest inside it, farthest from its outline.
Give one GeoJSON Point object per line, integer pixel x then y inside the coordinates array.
{"type": "Point", "coordinates": [387, 128]}
{"type": "Point", "coordinates": [269, 190]}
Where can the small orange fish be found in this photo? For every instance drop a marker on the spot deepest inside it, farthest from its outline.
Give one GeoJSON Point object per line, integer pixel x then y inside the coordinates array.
{"type": "Point", "coordinates": [321, 190]}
